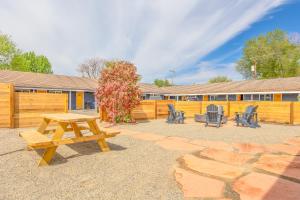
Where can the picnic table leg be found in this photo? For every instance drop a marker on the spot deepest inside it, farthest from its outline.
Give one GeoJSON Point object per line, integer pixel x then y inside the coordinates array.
{"type": "Point", "coordinates": [76, 129]}
{"type": "Point", "coordinates": [49, 152]}
{"type": "Point", "coordinates": [43, 126]}
{"type": "Point", "coordinates": [96, 131]}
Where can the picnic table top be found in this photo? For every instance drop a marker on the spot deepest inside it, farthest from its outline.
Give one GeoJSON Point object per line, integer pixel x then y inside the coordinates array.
{"type": "Point", "coordinates": [69, 117]}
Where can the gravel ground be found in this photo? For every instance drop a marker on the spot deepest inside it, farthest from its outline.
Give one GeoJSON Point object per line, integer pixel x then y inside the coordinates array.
{"type": "Point", "coordinates": [230, 133]}
{"type": "Point", "coordinates": [134, 169]}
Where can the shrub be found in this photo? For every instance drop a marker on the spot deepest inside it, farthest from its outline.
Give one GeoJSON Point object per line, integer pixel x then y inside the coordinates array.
{"type": "Point", "coordinates": [118, 92]}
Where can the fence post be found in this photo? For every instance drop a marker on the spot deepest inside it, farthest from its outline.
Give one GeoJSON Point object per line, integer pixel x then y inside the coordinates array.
{"type": "Point", "coordinates": [11, 106]}
{"type": "Point", "coordinates": [155, 109]}
{"type": "Point", "coordinates": [292, 113]}
{"type": "Point", "coordinates": [228, 108]}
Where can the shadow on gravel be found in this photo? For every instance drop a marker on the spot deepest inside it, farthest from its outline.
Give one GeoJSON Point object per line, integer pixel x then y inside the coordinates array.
{"type": "Point", "coordinates": [82, 149]}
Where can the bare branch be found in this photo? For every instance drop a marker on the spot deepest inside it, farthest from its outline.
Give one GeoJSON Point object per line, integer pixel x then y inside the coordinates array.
{"type": "Point", "coordinates": [91, 68]}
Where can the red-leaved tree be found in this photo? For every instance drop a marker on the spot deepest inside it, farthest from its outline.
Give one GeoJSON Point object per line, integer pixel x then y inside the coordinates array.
{"type": "Point", "coordinates": [118, 92]}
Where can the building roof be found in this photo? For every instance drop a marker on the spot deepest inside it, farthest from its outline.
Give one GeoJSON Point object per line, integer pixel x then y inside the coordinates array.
{"type": "Point", "coordinates": [291, 84]}
{"type": "Point", "coordinates": [62, 82]}
{"type": "Point", "coordinates": [47, 81]}
{"type": "Point", "coordinates": [59, 82]}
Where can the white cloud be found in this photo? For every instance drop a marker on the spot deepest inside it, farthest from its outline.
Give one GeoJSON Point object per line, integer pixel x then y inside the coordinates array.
{"type": "Point", "coordinates": [156, 35]}
{"type": "Point", "coordinates": [206, 70]}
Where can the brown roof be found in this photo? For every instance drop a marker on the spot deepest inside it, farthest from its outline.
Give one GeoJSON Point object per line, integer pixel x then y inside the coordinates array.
{"type": "Point", "coordinates": [51, 81]}
{"type": "Point", "coordinates": [47, 81]}
{"type": "Point", "coordinates": [247, 86]}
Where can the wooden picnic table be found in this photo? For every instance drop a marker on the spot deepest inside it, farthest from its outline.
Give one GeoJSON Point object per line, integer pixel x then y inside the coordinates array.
{"type": "Point", "coordinates": [66, 122]}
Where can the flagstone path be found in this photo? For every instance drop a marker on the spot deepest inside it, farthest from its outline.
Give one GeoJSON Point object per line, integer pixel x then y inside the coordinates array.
{"type": "Point", "coordinates": [239, 171]}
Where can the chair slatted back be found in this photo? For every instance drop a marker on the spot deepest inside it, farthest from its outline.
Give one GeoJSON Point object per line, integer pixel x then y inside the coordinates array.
{"type": "Point", "coordinates": [212, 113]}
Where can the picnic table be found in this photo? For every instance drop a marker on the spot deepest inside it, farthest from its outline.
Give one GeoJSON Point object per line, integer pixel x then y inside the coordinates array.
{"type": "Point", "coordinates": [65, 122]}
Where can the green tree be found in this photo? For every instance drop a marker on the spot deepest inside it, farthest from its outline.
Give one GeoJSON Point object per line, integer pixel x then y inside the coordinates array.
{"type": "Point", "coordinates": [7, 51]}
{"type": "Point", "coordinates": [273, 54]}
{"type": "Point", "coordinates": [162, 83]}
{"type": "Point", "coordinates": [219, 79]}
{"type": "Point", "coordinates": [30, 62]}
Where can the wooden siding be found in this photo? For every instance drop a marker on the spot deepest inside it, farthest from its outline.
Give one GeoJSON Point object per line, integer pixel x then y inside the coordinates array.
{"type": "Point", "coordinates": [146, 110]}
{"type": "Point", "coordinates": [190, 108]}
{"type": "Point", "coordinates": [162, 108]}
{"type": "Point", "coordinates": [29, 106]}
{"type": "Point", "coordinates": [6, 105]}
{"type": "Point", "coordinates": [296, 112]}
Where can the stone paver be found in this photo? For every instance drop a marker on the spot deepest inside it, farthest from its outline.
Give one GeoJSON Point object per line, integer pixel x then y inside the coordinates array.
{"type": "Point", "coordinates": [175, 144]}
{"type": "Point", "coordinates": [148, 136]}
{"type": "Point", "coordinates": [293, 141]}
{"type": "Point", "coordinates": [250, 148]}
{"type": "Point", "coordinates": [212, 144]}
{"type": "Point", "coordinates": [226, 156]}
{"type": "Point", "coordinates": [280, 164]}
{"type": "Point", "coordinates": [257, 186]}
{"type": "Point", "coordinates": [194, 185]}
{"type": "Point", "coordinates": [211, 167]}
{"type": "Point", "coordinates": [283, 148]}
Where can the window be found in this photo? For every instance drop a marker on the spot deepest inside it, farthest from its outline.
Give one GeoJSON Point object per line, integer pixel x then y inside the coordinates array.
{"type": "Point", "coordinates": [255, 97]}
{"type": "Point", "coordinates": [269, 97]}
{"type": "Point", "coordinates": [221, 98]}
{"type": "Point", "coordinates": [231, 97]}
{"type": "Point", "coordinates": [212, 97]}
{"type": "Point", "coordinates": [290, 97]}
{"type": "Point", "coordinates": [247, 97]}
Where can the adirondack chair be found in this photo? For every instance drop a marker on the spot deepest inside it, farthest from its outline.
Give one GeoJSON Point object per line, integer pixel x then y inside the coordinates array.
{"type": "Point", "coordinates": [214, 115]}
{"type": "Point", "coordinates": [175, 116]}
{"type": "Point", "coordinates": [248, 118]}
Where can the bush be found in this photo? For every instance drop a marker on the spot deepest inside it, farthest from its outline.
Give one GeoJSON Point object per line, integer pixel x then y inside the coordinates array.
{"type": "Point", "coordinates": [118, 92]}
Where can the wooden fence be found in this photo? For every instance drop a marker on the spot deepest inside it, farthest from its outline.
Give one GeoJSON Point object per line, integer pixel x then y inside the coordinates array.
{"type": "Point", "coordinates": [6, 105]}
{"type": "Point", "coordinates": [24, 109]}
{"type": "Point", "coordinates": [268, 111]}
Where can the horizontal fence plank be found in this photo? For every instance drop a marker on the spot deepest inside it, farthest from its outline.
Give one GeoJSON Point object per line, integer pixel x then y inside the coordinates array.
{"type": "Point", "coordinates": [190, 108]}
{"type": "Point", "coordinates": [146, 110]}
{"type": "Point", "coordinates": [30, 106]}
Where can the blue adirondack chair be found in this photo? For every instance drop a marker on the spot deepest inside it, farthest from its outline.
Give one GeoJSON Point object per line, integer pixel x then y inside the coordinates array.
{"type": "Point", "coordinates": [214, 115]}
{"type": "Point", "coordinates": [175, 116]}
{"type": "Point", "coordinates": [248, 118]}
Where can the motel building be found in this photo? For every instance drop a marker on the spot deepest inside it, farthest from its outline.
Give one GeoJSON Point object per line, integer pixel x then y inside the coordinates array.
{"type": "Point", "coordinates": [81, 90]}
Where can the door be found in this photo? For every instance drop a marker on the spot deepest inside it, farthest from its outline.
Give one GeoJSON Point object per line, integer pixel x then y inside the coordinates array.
{"type": "Point", "coordinates": [79, 100]}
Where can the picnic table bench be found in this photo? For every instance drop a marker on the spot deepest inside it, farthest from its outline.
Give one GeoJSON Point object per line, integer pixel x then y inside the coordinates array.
{"type": "Point", "coordinates": [66, 122]}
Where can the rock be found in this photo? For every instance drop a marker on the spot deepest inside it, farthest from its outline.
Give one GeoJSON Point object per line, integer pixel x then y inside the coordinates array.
{"type": "Point", "coordinates": [280, 164]}
{"type": "Point", "coordinates": [283, 148]}
{"type": "Point", "coordinates": [194, 185]}
{"type": "Point", "coordinates": [257, 186]}
{"type": "Point", "coordinates": [211, 167]}
{"type": "Point", "coordinates": [293, 141]}
{"type": "Point", "coordinates": [212, 144]}
{"type": "Point", "coordinates": [226, 156]}
{"type": "Point", "coordinates": [250, 148]}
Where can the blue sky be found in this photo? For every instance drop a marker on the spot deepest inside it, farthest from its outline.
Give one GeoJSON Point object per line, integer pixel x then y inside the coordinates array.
{"type": "Point", "coordinates": [196, 38]}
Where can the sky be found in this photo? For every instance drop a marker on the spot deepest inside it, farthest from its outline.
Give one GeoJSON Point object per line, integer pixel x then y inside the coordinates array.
{"type": "Point", "coordinates": [187, 41]}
